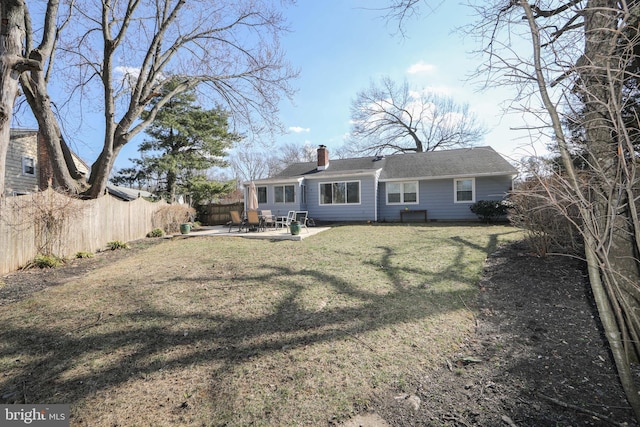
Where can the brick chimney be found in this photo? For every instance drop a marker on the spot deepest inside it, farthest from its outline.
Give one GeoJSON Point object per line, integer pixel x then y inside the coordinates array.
{"type": "Point", "coordinates": [323, 158]}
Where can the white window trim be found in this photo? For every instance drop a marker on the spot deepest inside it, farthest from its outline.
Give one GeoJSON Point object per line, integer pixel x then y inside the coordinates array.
{"type": "Point", "coordinates": [284, 194]}
{"type": "Point", "coordinates": [402, 202]}
{"type": "Point", "coordinates": [473, 190]}
{"type": "Point", "coordinates": [320, 184]}
{"type": "Point", "coordinates": [33, 161]}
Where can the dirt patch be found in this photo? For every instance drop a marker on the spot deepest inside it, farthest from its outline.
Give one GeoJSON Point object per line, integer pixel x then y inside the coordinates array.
{"type": "Point", "coordinates": [20, 284]}
{"type": "Point", "coordinates": [538, 356]}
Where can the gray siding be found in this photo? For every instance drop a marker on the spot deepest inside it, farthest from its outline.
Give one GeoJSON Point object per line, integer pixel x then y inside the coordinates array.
{"type": "Point", "coordinates": [15, 180]}
{"type": "Point", "coordinates": [281, 209]}
{"type": "Point", "coordinates": [364, 211]}
{"type": "Point", "coordinates": [437, 197]}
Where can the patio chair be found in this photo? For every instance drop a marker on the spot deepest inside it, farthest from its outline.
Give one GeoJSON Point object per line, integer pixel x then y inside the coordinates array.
{"type": "Point", "coordinates": [253, 221]}
{"type": "Point", "coordinates": [301, 217]}
{"type": "Point", "coordinates": [268, 219]}
{"type": "Point", "coordinates": [236, 221]}
{"type": "Point", "coordinates": [286, 222]}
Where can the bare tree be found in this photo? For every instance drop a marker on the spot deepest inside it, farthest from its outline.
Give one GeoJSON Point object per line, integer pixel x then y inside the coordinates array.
{"type": "Point", "coordinates": [249, 164]}
{"type": "Point", "coordinates": [389, 118]}
{"type": "Point", "coordinates": [582, 65]}
{"type": "Point", "coordinates": [125, 53]}
{"type": "Point", "coordinates": [12, 64]}
{"type": "Point", "coordinates": [297, 153]}
{"type": "Point", "coordinates": [34, 85]}
{"type": "Point", "coordinates": [606, 192]}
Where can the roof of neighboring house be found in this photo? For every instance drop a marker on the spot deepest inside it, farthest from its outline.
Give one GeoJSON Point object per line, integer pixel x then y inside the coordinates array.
{"type": "Point", "coordinates": [82, 166]}
{"type": "Point", "coordinates": [127, 194]}
{"type": "Point", "coordinates": [476, 161]}
{"type": "Point", "coordinates": [16, 132]}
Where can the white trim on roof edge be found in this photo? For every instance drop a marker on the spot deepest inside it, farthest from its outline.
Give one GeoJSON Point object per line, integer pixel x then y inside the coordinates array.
{"type": "Point", "coordinates": [266, 181]}
{"type": "Point", "coordinates": [328, 175]}
{"type": "Point", "coordinates": [430, 178]}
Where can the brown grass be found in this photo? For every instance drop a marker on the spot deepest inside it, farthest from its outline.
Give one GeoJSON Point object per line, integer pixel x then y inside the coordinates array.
{"type": "Point", "coordinates": [232, 331]}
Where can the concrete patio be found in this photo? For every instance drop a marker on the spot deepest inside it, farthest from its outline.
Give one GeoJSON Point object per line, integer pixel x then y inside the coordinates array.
{"type": "Point", "coordinates": [268, 234]}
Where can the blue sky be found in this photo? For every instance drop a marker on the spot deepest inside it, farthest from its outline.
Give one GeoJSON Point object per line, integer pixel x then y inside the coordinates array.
{"type": "Point", "coordinates": [339, 46]}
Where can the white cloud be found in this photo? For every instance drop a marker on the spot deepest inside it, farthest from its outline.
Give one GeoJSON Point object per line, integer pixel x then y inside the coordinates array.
{"type": "Point", "coordinates": [127, 75]}
{"type": "Point", "coordinates": [124, 70]}
{"type": "Point", "coordinates": [430, 90]}
{"type": "Point", "coordinates": [298, 129]}
{"type": "Point", "coordinates": [420, 67]}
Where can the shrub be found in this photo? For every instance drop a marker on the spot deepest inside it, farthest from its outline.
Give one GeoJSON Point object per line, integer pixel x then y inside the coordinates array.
{"type": "Point", "coordinates": [156, 232]}
{"type": "Point", "coordinates": [83, 254]}
{"type": "Point", "coordinates": [170, 217]}
{"type": "Point", "coordinates": [117, 244]}
{"type": "Point", "coordinates": [489, 210]}
{"type": "Point", "coordinates": [51, 214]}
{"type": "Point", "coordinates": [551, 223]}
{"type": "Point", "coordinates": [47, 261]}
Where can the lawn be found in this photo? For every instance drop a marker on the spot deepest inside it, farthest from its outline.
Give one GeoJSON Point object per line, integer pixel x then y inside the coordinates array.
{"type": "Point", "coordinates": [232, 331]}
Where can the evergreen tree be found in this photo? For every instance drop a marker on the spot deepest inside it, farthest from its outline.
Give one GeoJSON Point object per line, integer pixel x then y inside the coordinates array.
{"type": "Point", "coordinates": [185, 141]}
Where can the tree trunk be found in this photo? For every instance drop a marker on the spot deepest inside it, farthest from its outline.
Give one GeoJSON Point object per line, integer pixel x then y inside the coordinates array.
{"type": "Point", "coordinates": [34, 85]}
{"type": "Point", "coordinates": [103, 165]}
{"type": "Point", "coordinates": [100, 170]}
{"type": "Point", "coordinates": [171, 186]}
{"type": "Point", "coordinates": [12, 63]}
{"type": "Point", "coordinates": [611, 241]}
{"type": "Point", "coordinates": [601, 197]}
{"type": "Point", "coordinates": [66, 174]}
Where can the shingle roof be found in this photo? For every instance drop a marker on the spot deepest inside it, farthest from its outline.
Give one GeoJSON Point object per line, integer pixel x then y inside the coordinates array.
{"type": "Point", "coordinates": [17, 132]}
{"type": "Point", "coordinates": [309, 169]}
{"type": "Point", "coordinates": [476, 161]}
{"type": "Point", "coordinates": [127, 194]}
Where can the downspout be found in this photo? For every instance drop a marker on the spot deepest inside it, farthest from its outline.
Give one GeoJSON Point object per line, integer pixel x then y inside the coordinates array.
{"type": "Point", "coordinates": [377, 199]}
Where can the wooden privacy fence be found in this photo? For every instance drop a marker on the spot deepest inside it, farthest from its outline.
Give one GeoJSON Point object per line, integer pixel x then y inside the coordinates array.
{"type": "Point", "coordinates": [216, 214]}
{"type": "Point", "coordinates": [53, 224]}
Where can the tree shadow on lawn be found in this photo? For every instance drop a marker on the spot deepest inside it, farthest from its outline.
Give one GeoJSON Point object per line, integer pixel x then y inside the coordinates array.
{"type": "Point", "coordinates": [138, 341]}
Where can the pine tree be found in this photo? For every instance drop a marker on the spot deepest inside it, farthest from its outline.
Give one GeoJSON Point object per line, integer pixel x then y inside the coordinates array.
{"type": "Point", "coordinates": [185, 141]}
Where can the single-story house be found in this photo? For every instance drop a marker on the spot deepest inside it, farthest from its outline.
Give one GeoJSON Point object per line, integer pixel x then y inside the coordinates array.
{"type": "Point", "coordinates": [440, 185]}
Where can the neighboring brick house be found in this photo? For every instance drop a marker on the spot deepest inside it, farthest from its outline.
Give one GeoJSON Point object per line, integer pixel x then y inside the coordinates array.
{"type": "Point", "coordinates": [27, 168]}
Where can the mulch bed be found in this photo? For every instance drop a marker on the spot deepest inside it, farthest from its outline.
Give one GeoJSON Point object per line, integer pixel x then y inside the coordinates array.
{"type": "Point", "coordinates": [538, 358]}
{"type": "Point", "coordinates": [22, 283]}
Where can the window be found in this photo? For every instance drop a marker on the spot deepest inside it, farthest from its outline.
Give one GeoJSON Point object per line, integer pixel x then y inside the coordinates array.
{"type": "Point", "coordinates": [28, 166]}
{"type": "Point", "coordinates": [262, 195]}
{"type": "Point", "coordinates": [465, 190]}
{"type": "Point", "coordinates": [402, 192]}
{"type": "Point", "coordinates": [284, 193]}
{"type": "Point", "coordinates": [340, 193]}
